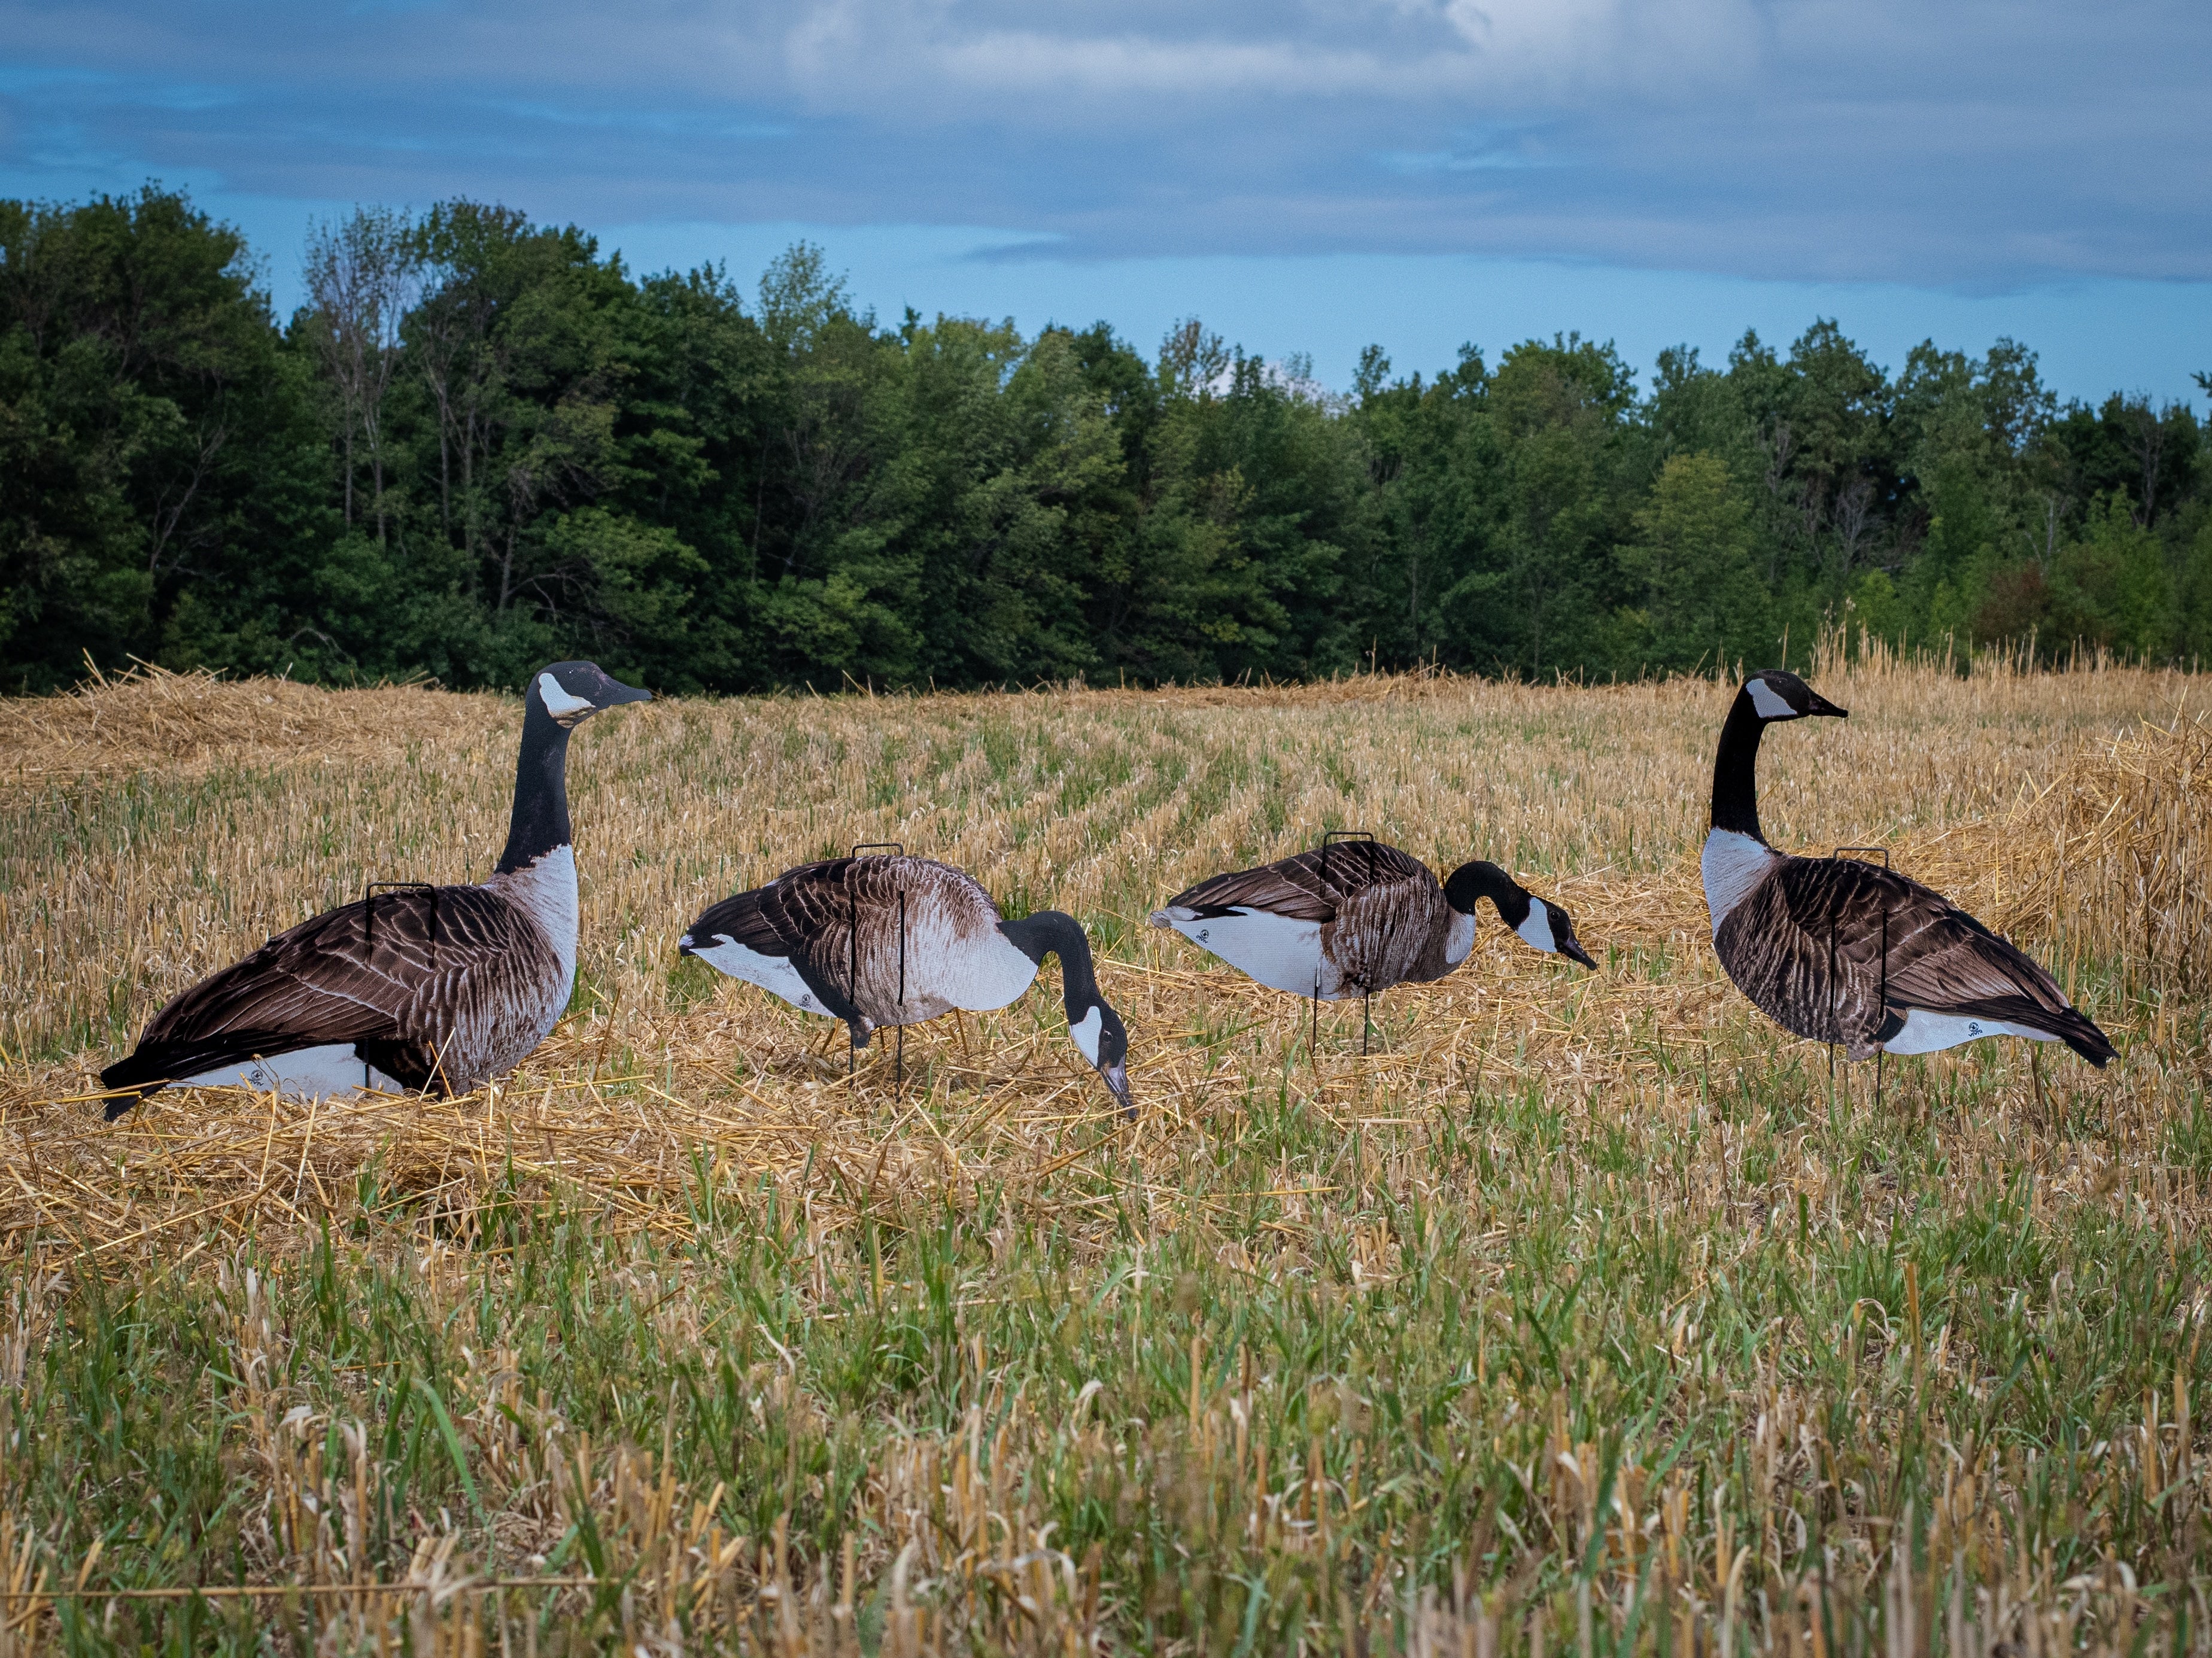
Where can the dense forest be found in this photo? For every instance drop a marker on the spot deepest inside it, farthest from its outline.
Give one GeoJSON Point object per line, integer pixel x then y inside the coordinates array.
{"type": "Point", "coordinates": [482, 444]}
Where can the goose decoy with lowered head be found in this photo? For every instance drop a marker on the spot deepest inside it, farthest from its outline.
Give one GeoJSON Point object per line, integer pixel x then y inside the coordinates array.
{"type": "Point", "coordinates": [1355, 917]}
{"type": "Point", "coordinates": [1838, 951]}
{"type": "Point", "coordinates": [892, 940]}
{"type": "Point", "coordinates": [429, 987]}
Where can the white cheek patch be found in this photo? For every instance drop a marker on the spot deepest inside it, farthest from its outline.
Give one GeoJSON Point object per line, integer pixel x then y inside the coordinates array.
{"type": "Point", "coordinates": [1928, 1033]}
{"type": "Point", "coordinates": [1537, 929]}
{"type": "Point", "coordinates": [771, 973]}
{"type": "Point", "coordinates": [558, 703]}
{"type": "Point", "coordinates": [1085, 1032]}
{"type": "Point", "coordinates": [1768, 701]}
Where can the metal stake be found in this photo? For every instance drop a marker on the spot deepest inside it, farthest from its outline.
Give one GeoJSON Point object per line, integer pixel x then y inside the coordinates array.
{"type": "Point", "coordinates": [852, 941]}
{"type": "Point", "coordinates": [368, 946]}
{"type": "Point", "coordinates": [1881, 992]}
{"type": "Point", "coordinates": [1367, 1027]}
{"type": "Point", "coordinates": [898, 1085]}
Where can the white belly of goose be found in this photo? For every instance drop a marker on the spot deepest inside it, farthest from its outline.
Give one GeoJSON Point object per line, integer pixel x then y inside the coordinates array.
{"type": "Point", "coordinates": [1732, 865]}
{"type": "Point", "coordinates": [307, 1073]}
{"type": "Point", "coordinates": [1459, 938]}
{"type": "Point", "coordinates": [981, 977]}
{"type": "Point", "coordinates": [545, 890]}
{"type": "Point", "coordinates": [1277, 951]}
{"type": "Point", "coordinates": [774, 974]}
{"type": "Point", "coordinates": [1928, 1033]}
{"type": "Point", "coordinates": [948, 965]}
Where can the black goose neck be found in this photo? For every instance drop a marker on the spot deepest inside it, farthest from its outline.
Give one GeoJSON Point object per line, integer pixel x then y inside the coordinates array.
{"type": "Point", "coordinates": [1051, 932]}
{"type": "Point", "coordinates": [1736, 770]}
{"type": "Point", "coordinates": [540, 823]}
{"type": "Point", "coordinates": [1473, 882]}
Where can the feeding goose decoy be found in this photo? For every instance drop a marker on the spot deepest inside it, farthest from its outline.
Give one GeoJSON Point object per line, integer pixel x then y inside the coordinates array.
{"type": "Point", "coordinates": [422, 987]}
{"type": "Point", "coordinates": [1843, 951]}
{"type": "Point", "coordinates": [892, 940]}
{"type": "Point", "coordinates": [1356, 917]}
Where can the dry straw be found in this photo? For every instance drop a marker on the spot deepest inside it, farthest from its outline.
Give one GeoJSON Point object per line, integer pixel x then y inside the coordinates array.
{"type": "Point", "coordinates": [2067, 810]}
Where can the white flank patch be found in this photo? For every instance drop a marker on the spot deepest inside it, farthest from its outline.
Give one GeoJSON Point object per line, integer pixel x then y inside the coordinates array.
{"type": "Point", "coordinates": [545, 889]}
{"type": "Point", "coordinates": [1732, 865]}
{"type": "Point", "coordinates": [1458, 937]}
{"type": "Point", "coordinates": [558, 703]}
{"type": "Point", "coordinates": [1928, 1033]}
{"type": "Point", "coordinates": [1537, 929]}
{"type": "Point", "coordinates": [1279, 953]}
{"type": "Point", "coordinates": [307, 1073]}
{"type": "Point", "coordinates": [1085, 1033]}
{"type": "Point", "coordinates": [772, 973]}
{"type": "Point", "coordinates": [1768, 703]}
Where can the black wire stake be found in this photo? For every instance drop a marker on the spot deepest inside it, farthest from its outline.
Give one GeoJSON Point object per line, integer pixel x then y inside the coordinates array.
{"type": "Point", "coordinates": [368, 942]}
{"type": "Point", "coordinates": [853, 945]}
{"type": "Point", "coordinates": [1366, 1018]}
{"type": "Point", "coordinates": [898, 1083]}
{"type": "Point", "coordinates": [1881, 993]}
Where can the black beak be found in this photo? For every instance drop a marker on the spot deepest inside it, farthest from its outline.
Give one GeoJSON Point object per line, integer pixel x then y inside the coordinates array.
{"type": "Point", "coordinates": [1573, 951]}
{"type": "Point", "coordinates": [615, 694]}
{"type": "Point", "coordinates": [1117, 1078]}
{"type": "Point", "coordinates": [1820, 704]}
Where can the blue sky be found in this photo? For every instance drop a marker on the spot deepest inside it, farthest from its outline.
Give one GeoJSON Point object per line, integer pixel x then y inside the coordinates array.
{"type": "Point", "coordinates": [1306, 175]}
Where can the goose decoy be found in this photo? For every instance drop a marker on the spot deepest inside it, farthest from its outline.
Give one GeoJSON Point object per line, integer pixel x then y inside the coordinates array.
{"type": "Point", "coordinates": [1839, 950]}
{"type": "Point", "coordinates": [421, 987]}
{"type": "Point", "coordinates": [892, 940]}
{"type": "Point", "coordinates": [1355, 917]}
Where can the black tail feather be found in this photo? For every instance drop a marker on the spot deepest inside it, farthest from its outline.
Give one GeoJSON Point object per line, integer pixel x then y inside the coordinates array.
{"type": "Point", "coordinates": [141, 1074]}
{"type": "Point", "coordinates": [2080, 1033]}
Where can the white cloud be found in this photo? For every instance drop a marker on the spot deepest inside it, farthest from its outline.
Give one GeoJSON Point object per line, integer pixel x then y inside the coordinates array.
{"type": "Point", "coordinates": [1392, 52]}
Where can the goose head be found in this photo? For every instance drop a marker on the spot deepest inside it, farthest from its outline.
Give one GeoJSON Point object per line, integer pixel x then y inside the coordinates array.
{"type": "Point", "coordinates": [1099, 1031]}
{"type": "Point", "coordinates": [1548, 927]}
{"type": "Point", "coordinates": [1776, 694]}
{"type": "Point", "coordinates": [572, 692]}
{"type": "Point", "coordinates": [1541, 924]}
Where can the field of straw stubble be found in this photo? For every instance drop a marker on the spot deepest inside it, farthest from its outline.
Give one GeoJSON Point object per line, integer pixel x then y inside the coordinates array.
{"type": "Point", "coordinates": [1587, 1314]}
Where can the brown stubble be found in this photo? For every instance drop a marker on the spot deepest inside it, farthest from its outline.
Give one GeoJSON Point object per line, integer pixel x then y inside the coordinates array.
{"type": "Point", "coordinates": [2058, 806]}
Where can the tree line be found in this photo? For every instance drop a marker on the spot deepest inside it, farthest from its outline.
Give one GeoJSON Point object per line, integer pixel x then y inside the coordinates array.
{"type": "Point", "coordinates": [481, 443]}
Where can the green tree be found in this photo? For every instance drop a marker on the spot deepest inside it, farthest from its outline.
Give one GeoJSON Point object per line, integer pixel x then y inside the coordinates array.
{"type": "Point", "coordinates": [2111, 586]}
{"type": "Point", "coordinates": [1699, 597]}
{"type": "Point", "coordinates": [162, 469]}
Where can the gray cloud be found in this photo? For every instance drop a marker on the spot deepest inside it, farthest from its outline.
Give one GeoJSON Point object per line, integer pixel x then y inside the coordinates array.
{"type": "Point", "coordinates": [1973, 145]}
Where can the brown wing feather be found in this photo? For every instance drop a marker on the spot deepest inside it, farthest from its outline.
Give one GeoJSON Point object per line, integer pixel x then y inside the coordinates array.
{"type": "Point", "coordinates": [811, 912]}
{"type": "Point", "coordinates": [1839, 950]}
{"type": "Point", "coordinates": [392, 978]}
{"type": "Point", "coordinates": [1312, 886]}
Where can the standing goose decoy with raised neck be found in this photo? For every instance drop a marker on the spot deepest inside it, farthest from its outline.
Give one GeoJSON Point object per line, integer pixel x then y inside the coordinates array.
{"type": "Point", "coordinates": [887, 941]}
{"type": "Point", "coordinates": [436, 988]}
{"type": "Point", "coordinates": [1356, 918]}
{"type": "Point", "coordinates": [1838, 951]}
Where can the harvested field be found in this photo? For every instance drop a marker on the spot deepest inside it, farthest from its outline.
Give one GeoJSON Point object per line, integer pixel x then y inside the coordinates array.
{"type": "Point", "coordinates": [1588, 1309]}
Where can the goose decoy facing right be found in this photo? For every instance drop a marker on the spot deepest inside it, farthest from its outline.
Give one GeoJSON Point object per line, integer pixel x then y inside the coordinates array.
{"type": "Point", "coordinates": [425, 987]}
{"type": "Point", "coordinates": [892, 940]}
{"type": "Point", "coordinates": [1355, 917]}
{"type": "Point", "coordinates": [1838, 951]}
